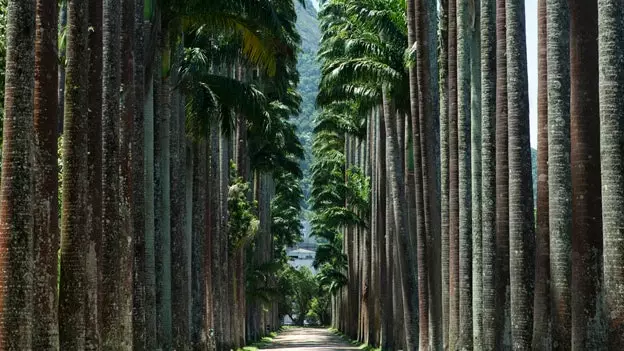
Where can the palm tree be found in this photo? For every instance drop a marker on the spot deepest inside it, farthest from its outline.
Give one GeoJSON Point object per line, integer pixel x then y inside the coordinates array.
{"type": "Point", "coordinates": [475, 128]}
{"type": "Point", "coordinates": [112, 226]}
{"type": "Point", "coordinates": [427, 186]}
{"type": "Point", "coordinates": [541, 307]}
{"type": "Point", "coordinates": [179, 260]}
{"type": "Point", "coordinates": [150, 258]}
{"type": "Point", "coordinates": [45, 221]}
{"type": "Point", "coordinates": [431, 173]}
{"type": "Point", "coordinates": [74, 244]}
{"type": "Point", "coordinates": [521, 218]}
{"type": "Point", "coordinates": [444, 166]}
{"type": "Point", "coordinates": [16, 216]}
{"type": "Point", "coordinates": [611, 83]}
{"type": "Point", "coordinates": [406, 261]}
{"type": "Point", "coordinates": [141, 325]}
{"type": "Point", "coordinates": [162, 225]}
{"type": "Point", "coordinates": [585, 155]}
{"type": "Point", "coordinates": [129, 330]}
{"type": "Point", "coordinates": [453, 330]}
{"type": "Point", "coordinates": [488, 169]}
{"type": "Point", "coordinates": [464, 163]}
{"type": "Point", "coordinates": [418, 195]}
{"type": "Point", "coordinates": [503, 303]}
{"type": "Point", "coordinates": [94, 178]}
{"type": "Point", "coordinates": [385, 301]}
{"type": "Point", "coordinates": [559, 187]}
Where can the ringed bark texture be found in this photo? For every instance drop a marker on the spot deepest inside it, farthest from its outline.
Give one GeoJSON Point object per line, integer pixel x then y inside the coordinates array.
{"type": "Point", "coordinates": [112, 278]}
{"type": "Point", "coordinates": [488, 170]}
{"type": "Point", "coordinates": [503, 304]}
{"type": "Point", "coordinates": [74, 244]}
{"type": "Point", "coordinates": [444, 167]}
{"type": "Point", "coordinates": [138, 180]}
{"type": "Point", "coordinates": [453, 180]}
{"type": "Point", "coordinates": [406, 261]}
{"type": "Point", "coordinates": [475, 130]}
{"type": "Point", "coordinates": [521, 217]}
{"type": "Point", "coordinates": [150, 258]}
{"type": "Point", "coordinates": [46, 232]}
{"type": "Point", "coordinates": [464, 157]}
{"type": "Point", "coordinates": [416, 82]}
{"type": "Point", "coordinates": [163, 198]}
{"type": "Point", "coordinates": [559, 185]}
{"type": "Point", "coordinates": [94, 195]}
{"type": "Point", "coordinates": [611, 87]}
{"type": "Point", "coordinates": [542, 335]}
{"type": "Point", "coordinates": [587, 331]}
{"type": "Point", "coordinates": [16, 193]}
{"type": "Point", "coordinates": [127, 184]}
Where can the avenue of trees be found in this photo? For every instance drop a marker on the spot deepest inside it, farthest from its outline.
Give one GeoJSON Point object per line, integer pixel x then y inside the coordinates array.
{"type": "Point", "coordinates": [422, 179]}
{"type": "Point", "coordinates": [150, 172]}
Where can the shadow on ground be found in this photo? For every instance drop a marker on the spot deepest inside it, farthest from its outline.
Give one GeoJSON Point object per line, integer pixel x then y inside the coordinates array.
{"type": "Point", "coordinates": [309, 339]}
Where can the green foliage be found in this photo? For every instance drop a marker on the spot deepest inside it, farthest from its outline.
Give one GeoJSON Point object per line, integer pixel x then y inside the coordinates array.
{"type": "Point", "coordinates": [260, 284]}
{"type": "Point", "coordinates": [286, 212]}
{"type": "Point", "coordinates": [320, 312]}
{"type": "Point", "coordinates": [310, 74]}
{"type": "Point", "coordinates": [300, 287]}
{"type": "Point", "coordinates": [242, 222]}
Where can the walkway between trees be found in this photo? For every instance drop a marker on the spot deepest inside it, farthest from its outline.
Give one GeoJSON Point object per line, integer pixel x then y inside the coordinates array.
{"type": "Point", "coordinates": [309, 339]}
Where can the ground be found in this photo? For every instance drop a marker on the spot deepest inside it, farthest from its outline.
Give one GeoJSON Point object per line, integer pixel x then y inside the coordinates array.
{"type": "Point", "coordinates": [309, 339]}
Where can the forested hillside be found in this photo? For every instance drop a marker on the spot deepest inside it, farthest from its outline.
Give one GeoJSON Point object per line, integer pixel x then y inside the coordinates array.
{"type": "Point", "coordinates": [309, 71]}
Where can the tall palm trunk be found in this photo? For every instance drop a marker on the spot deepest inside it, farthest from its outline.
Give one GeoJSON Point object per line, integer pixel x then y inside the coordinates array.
{"type": "Point", "coordinates": [179, 274]}
{"type": "Point", "coordinates": [150, 213]}
{"type": "Point", "coordinates": [585, 158]}
{"type": "Point", "coordinates": [162, 196]}
{"type": "Point", "coordinates": [488, 170]}
{"type": "Point", "coordinates": [542, 325]}
{"type": "Point", "coordinates": [224, 179]}
{"type": "Point", "coordinates": [420, 240]}
{"type": "Point", "coordinates": [206, 270]}
{"type": "Point", "coordinates": [475, 128]}
{"type": "Point", "coordinates": [426, 164]}
{"type": "Point", "coordinates": [215, 234]}
{"type": "Point", "coordinates": [375, 262]}
{"type": "Point", "coordinates": [444, 167]}
{"type": "Point", "coordinates": [74, 244]}
{"type": "Point", "coordinates": [611, 83]}
{"type": "Point", "coordinates": [45, 201]}
{"type": "Point", "coordinates": [427, 27]}
{"type": "Point", "coordinates": [200, 292]}
{"type": "Point", "coordinates": [559, 186]}
{"type": "Point", "coordinates": [112, 310]}
{"type": "Point", "coordinates": [503, 303]}
{"type": "Point", "coordinates": [16, 206]}
{"type": "Point", "coordinates": [521, 217]}
{"type": "Point", "coordinates": [453, 332]}
{"type": "Point", "coordinates": [464, 153]}
{"type": "Point", "coordinates": [384, 278]}
{"type": "Point", "coordinates": [93, 314]}
{"type": "Point", "coordinates": [367, 293]}
{"type": "Point", "coordinates": [406, 261]}
{"type": "Point", "coordinates": [126, 241]}
{"type": "Point", "coordinates": [138, 176]}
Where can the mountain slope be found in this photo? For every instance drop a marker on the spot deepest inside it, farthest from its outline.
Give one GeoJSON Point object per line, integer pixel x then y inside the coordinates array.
{"type": "Point", "coordinates": [309, 71]}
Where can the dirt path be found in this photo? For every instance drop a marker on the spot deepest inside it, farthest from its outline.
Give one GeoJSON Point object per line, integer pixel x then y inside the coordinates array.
{"type": "Point", "coordinates": [309, 339]}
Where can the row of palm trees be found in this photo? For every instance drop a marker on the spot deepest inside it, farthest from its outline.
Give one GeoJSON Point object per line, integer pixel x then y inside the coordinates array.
{"type": "Point", "coordinates": [429, 99]}
{"type": "Point", "coordinates": [144, 229]}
